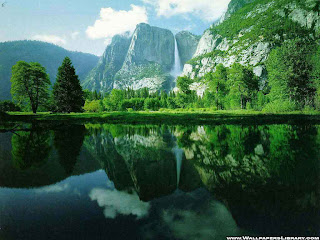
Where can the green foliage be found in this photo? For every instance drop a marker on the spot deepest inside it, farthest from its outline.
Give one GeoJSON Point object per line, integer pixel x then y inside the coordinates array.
{"type": "Point", "coordinates": [29, 85]}
{"type": "Point", "coordinates": [152, 104]}
{"type": "Point", "coordinates": [315, 76]}
{"type": "Point", "coordinates": [67, 91]}
{"type": "Point", "coordinates": [289, 72]}
{"type": "Point", "coordinates": [242, 84]}
{"type": "Point", "coordinates": [113, 102]}
{"type": "Point", "coordinates": [183, 83]}
{"type": "Point", "coordinates": [8, 106]}
{"type": "Point", "coordinates": [279, 106]}
{"type": "Point", "coordinates": [217, 84]}
{"type": "Point", "coordinates": [135, 104]}
{"type": "Point", "coordinates": [93, 106]}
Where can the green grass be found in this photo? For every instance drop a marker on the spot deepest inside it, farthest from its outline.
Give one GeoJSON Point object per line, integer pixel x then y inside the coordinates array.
{"type": "Point", "coordinates": [179, 116]}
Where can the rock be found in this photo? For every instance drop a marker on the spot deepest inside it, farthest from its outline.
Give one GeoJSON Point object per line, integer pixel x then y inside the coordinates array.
{"type": "Point", "coordinates": [251, 45]}
{"type": "Point", "coordinates": [143, 60]}
{"type": "Point", "coordinates": [151, 44]}
{"type": "Point", "coordinates": [207, 43]}
{"type": "Point", "coordinates": [149, 60]}
{"type": "Point", "coordinates": [187, 45]}
{"type": "Point", "coordinates": [101, 78]}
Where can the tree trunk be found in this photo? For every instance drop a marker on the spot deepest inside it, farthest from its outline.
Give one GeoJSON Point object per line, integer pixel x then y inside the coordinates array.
{"type": "Point", "coordinates": [241, 101]}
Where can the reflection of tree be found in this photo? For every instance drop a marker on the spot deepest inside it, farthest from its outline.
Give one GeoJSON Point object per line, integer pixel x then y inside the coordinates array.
{"type": "Point", "coordinates": [261, 171]}
{"type": "Point", "coordinates": [30, 149]}
{"type": "Point", "coordinates": [68, 141]}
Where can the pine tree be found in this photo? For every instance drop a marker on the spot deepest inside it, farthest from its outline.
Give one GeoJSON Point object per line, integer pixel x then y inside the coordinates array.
{"type": "Point", "coordinates": [67, 91]}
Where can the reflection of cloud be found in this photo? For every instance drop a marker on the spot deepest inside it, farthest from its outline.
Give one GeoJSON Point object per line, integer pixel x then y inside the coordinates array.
{"type": "Point", "coordinates": [115, 202]}
{"type": "Point", "coordinates": [215, 222]}
{"type": "Point", "coordinates": [53, 188]}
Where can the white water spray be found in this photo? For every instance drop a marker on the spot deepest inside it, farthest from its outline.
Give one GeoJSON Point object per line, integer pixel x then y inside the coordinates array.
{"type": "Point", "coordinates": [178, 153]}
{"type": "Point", "coordinates": [176, 70]}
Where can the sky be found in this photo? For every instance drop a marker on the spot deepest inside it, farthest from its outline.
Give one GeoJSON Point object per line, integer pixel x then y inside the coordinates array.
{"type": "Point", "coordinates": [89, 25]}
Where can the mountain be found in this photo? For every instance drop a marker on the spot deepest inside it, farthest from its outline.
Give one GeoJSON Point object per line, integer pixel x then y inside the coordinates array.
{"type": "Point", "coordinates": [49, 55]}
{"type": "Point", "coordinates": [187, 45]}
{"type": "Point", "coordinates": [101, 76]}
{"type": "Point", "coordinates": [146, 59]}
{"type": "Point", "coordinates": [248, 32]}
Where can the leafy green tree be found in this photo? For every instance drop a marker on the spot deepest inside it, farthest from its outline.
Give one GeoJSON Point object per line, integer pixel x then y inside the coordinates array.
{"type": "Point", "coordinates": [315, 76]}
{"type": "Point", "coordinates": [217, 84]}
{"type": "Point", "coordinates": [29, 85]}
{"type": "Point", "coordinates": [67, 91]}
{"type": "Point", "coordinates": [183, 83]}
{"type": "Point", "coordinates": [289, 71]}
{"type": "Point", "coordinates": [152, 104]}
{"type": "Point", "coordinates": [93, 106]}
{"type": "Point", "coordinates": [242, 85]}
{"type": "Point", "coordinates": [114, 101]}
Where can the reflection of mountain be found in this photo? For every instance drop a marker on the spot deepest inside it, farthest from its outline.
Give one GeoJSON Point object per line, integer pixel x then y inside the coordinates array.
{"type": "Point", "coordinates": [267, 176]}
{"type": "Point", "coordinates": [144, 160]}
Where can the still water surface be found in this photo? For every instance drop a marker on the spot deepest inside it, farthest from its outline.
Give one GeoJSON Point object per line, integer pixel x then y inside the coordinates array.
{"type": "Point", "coordinates": [159, 182]}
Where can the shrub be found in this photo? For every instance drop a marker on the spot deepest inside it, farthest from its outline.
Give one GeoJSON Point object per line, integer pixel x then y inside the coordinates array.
{"type": "Point", "coordinates": [279, 106]}
{"type": "Point", "coordinates": [152, 104]}
{"type": "Point", "coordinates": [93, 106]}
{"type": "Point", "coordinates": [8, 106]}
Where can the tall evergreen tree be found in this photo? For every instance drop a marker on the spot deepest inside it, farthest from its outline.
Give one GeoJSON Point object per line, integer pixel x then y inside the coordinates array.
{"type": "Point", "coordinates": [30, 85]}
{"type": "Point", "coordinates": [67, 91]}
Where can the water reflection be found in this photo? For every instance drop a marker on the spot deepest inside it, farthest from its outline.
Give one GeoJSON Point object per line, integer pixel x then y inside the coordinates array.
{"type": "Point", "coordinates": [171, 182]}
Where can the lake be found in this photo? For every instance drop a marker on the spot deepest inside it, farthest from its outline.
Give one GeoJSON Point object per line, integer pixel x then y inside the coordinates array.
{"type": "Point", "coordinates": [100, 181]}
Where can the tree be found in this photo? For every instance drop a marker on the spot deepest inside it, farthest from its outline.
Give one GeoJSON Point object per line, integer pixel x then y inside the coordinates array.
{"type": "Point", "coordinates": [242, 84]}
{"type": "Point", "coordinates": [217, 84]}
{"type": "Point", "coordinates": [289, 70]}
{"type": "Point", "coordinates": [67, 91]}
{"type": "Point", "coordinates": [29, 85]}
{"type": "Point", "coordinates": [114, 101]}
{"type": "Point", "coordinates": [315, 76]}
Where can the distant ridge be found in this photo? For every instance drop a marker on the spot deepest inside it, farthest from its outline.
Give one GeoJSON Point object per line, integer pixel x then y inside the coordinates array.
{"type": "Point", "coordinates": [47, 54]}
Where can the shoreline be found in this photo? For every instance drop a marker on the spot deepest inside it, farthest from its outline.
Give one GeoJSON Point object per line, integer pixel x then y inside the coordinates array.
{"type": "Point", "coordinates": [169, 118]}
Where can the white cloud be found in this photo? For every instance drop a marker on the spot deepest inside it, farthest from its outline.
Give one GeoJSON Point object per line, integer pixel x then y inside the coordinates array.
{"type": "Point", "coordinates": [112, 22]}
{"type": "Point", "coordinates": [208, 10]}
{"type": "Point", "coordinates": [74, 35]}
{"type": "Point", "coordinates": [50, 39]}
{"type": "Point", "coordinates": [115, 202]}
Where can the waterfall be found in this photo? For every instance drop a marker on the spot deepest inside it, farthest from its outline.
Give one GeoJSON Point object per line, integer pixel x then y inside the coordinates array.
{"type": "Point", "coordinates": [176, 70]}
{"type": "Point", "coordinates": [178, 153]}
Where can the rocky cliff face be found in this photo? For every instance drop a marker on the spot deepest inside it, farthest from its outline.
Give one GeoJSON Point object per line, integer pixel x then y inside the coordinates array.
{"type": "Point", "coordinates": [187, 45]}
{"type": "Point", "coordinates": [102, 76]}
{"type": "Point", "coordinates": [143, 60]}
{"type": "Point", "coordinates": [149, 59]}
{"type": "Point", "coordinates": [247, 33]}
